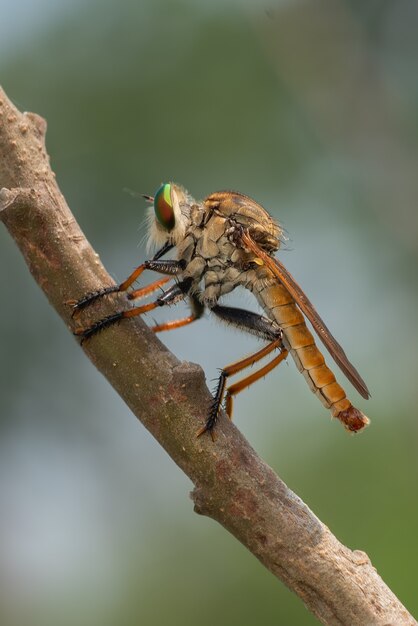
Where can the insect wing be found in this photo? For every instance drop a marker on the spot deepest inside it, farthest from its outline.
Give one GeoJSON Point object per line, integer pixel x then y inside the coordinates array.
{"type": "Point", "coordinates": [307, 308]}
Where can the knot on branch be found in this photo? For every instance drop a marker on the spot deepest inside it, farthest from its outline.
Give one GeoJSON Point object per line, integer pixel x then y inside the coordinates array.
{"type": "Point", "coordinates": [16, 198]}
{"type": "Point", "coordinates": [200, 501]}
{"type": "Point", "coordinates": [39, 124]}
{"type": "Point", "coordinates": [23, 154]}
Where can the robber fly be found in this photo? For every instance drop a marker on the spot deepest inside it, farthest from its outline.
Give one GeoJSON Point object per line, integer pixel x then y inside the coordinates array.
{"type": "Point", "coordinates": [224, 242]}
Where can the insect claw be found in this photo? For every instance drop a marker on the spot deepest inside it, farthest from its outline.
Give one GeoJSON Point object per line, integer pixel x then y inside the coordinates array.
{"type": "Point", "coordinates": [207, 428]}
{"type": "Point", "coordinates": [73, 305]}
{"type": "Point", "coordinates": [201, 430]}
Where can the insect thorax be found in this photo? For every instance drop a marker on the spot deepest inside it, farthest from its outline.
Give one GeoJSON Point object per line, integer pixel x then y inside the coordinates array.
{"type": "Point", "coordinates": [214, 261]}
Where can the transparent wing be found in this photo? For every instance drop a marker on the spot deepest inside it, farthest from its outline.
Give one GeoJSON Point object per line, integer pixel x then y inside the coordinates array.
{"type": "Point", "coordinates": [308, 309]}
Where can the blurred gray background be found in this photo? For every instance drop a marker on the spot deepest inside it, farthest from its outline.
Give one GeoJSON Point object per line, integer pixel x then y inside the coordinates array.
{"type": "Point", "coordinates": [309, 107]}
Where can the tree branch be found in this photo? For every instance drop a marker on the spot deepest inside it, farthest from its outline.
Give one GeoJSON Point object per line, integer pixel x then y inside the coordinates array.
{"type": "Point", "coordinates": [232, 484]}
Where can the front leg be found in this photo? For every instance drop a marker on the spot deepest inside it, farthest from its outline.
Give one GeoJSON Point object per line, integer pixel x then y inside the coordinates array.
{"type": "Point", "coordinates": [176, 293]}
{"type": "Point", "coordinates": [164, 267]}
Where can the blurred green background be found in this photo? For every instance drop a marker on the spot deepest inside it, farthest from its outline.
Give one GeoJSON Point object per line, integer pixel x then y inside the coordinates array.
{"type": "Point", "coordinates": [309, 107]}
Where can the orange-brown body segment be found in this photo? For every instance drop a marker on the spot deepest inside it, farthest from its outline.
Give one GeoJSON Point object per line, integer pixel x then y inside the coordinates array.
{"type": "Point", "coordinates": [298, 339]}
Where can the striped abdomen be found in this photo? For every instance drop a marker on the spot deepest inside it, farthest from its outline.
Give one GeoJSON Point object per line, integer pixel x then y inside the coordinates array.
{"type": "Point", "coordinates": [279, 304]}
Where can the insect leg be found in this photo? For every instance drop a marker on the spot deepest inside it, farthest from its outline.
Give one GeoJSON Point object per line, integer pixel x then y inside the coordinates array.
{"type": "Point", "coordinates": [172, 268]}
{"type": "Point", "coordinates": [145, 291]}
{"type": "Point", "coordinates": [234, 368]}
{"type": "Point", "coordinates": [154, 264]}
{"type": "Point", "coordinates": [248, 321]}
{"type": "Point", "coordinates": [234, 389]}
{"type": "Point", "coordinates": [197, 312]}
{"type": "Point", "coordinates": [176, 293]}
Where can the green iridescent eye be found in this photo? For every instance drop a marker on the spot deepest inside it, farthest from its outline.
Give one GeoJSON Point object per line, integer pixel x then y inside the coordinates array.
{"type": "Point", "coordinates": [163, 207]}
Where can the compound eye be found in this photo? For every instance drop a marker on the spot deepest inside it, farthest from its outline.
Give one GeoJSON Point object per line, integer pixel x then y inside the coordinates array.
{"type": "Point", "coordinates": [163, 207]}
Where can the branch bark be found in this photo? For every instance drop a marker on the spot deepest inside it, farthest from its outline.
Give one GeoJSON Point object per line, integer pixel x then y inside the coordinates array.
{"type": "Point", "coordinates": [232, 484]}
